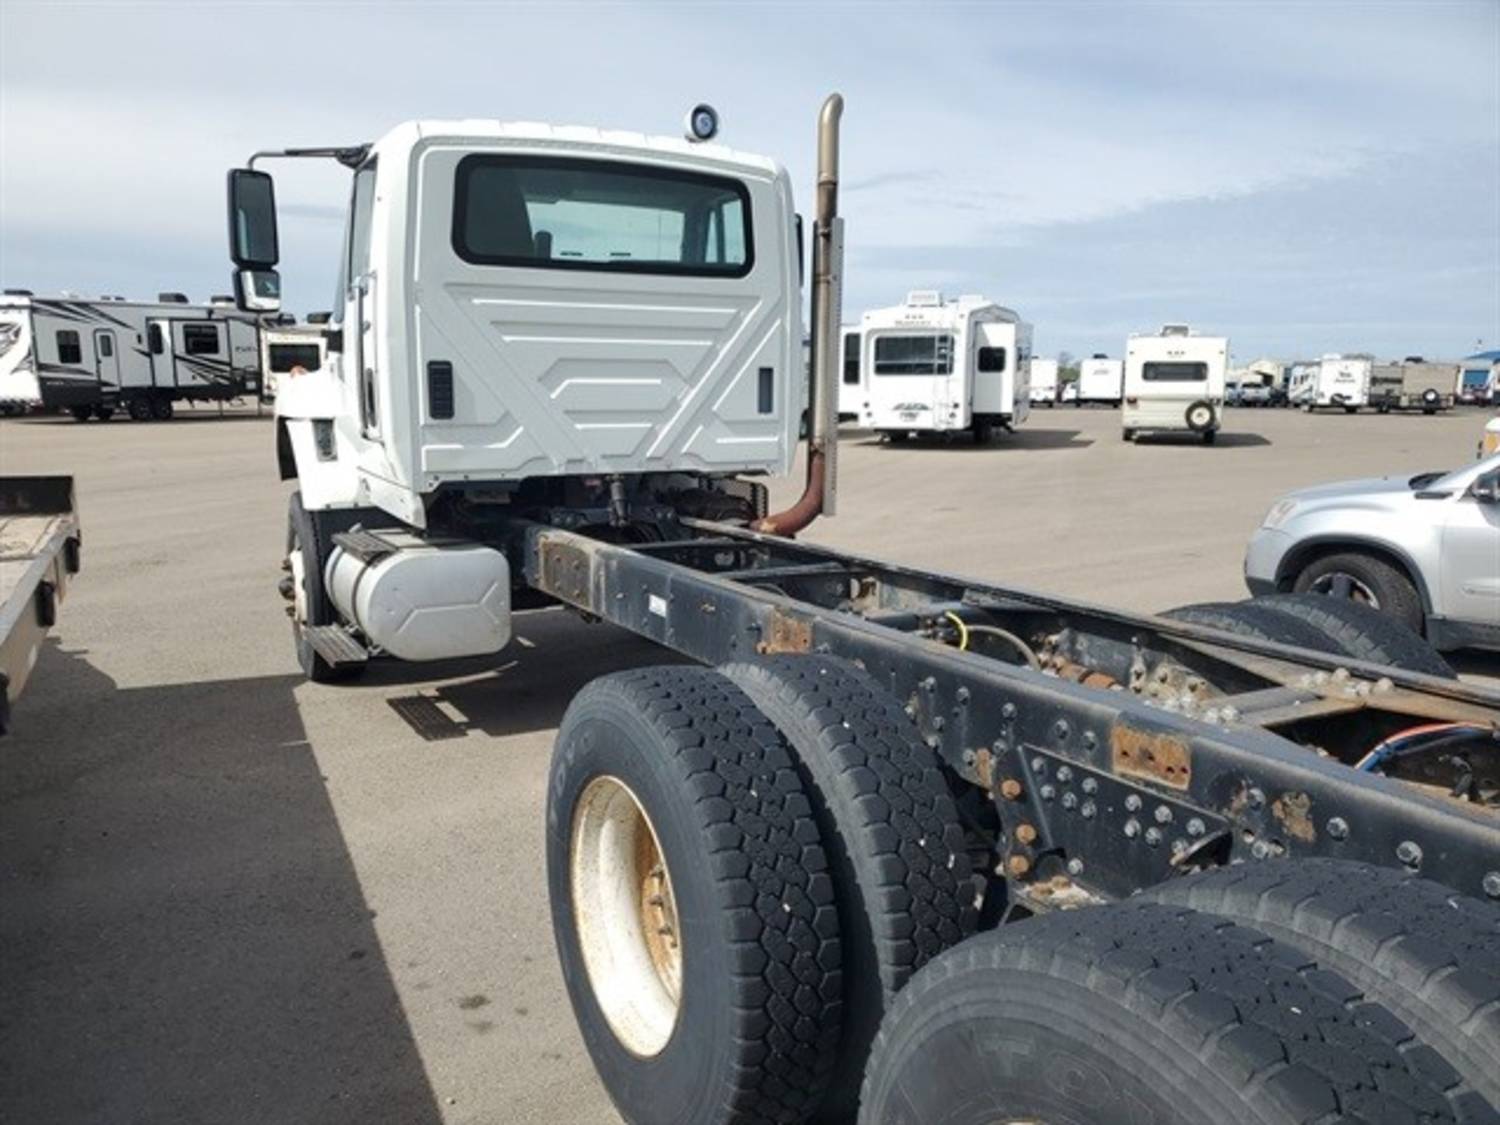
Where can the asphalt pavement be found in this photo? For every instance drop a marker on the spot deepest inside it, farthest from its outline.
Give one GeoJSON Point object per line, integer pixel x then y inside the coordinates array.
{"type": "Point", "coordinates": [230, 896]}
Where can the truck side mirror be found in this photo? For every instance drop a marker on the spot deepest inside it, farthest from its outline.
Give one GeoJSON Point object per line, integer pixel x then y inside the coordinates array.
{"type": "Point", "coordinates": [1486, 487]}
{"type": "Point", "coordinates": [257, 291]}
{"type": "Point", "coordinates": [253, 245]}
{"type": "Point", "coordinates": [252, 220]}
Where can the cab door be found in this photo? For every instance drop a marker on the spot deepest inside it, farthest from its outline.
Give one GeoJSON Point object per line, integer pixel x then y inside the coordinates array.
{"type": "Point", "coordinates": [106, 359]}
{"type": "Point", "coordinates": [1470, 559]}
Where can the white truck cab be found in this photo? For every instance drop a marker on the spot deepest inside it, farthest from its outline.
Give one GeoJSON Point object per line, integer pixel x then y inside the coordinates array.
{"type": "Point", "coordinates": [534, 322]}
{"type": "Point", "coordinates": [1174, 382]}
{"type": "Point", "coordinates": [933, 366]}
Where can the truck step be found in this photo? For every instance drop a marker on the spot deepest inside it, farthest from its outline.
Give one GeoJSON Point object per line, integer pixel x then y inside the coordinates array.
{"type": "Point", "coordinates": [335, 645]}
{"type": "Point", "coordinates": [366, 546]}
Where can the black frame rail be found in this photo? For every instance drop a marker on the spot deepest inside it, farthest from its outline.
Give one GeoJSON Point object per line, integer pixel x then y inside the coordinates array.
{"type": "Point", "coordinates": [1099, 792]}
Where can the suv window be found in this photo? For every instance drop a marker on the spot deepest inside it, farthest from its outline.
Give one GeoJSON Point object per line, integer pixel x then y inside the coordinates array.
{"type": "Point", "coordinates": [1175, 372]}
{"type": "Point", "coordinates": [913, 355]}
{"type": "Point", "coordinates": [563, 213]}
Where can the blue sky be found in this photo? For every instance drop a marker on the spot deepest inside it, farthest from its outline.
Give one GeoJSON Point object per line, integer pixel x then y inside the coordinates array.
{"type": "Point", "coordinates": [1305, 178]}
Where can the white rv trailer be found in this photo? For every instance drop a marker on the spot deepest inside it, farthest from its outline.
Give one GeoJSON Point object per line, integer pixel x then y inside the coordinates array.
{"type": "Point", "coordinates": [940, 367]}
{"type": "Point", "coordinates": [1341, 381]}
{"type": "Point", "coordinates": [290, 350]}
{"type": "Point", "coordinates": [1101, 380]}
{"type": "Point", "coordinates": [93, 357]}
{"type": "Point", "coordinates": [19, 392]}
{"type": "Point", "coordinates": [852, 392]}
{"type": "Point", "coordinates": [1174, 381]}
{"type": "Point", "coordinates": [1043, 382]}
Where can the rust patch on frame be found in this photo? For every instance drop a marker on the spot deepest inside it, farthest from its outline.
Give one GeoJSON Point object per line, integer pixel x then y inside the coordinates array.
{"type": "Point", "coordinates": [567, 572]}
{"type": "Point", "coordinates": [1294, 812]}
{"type": "Point", "coordinates": [1162, 758]}
{"type": "Point", "coordinates": [785, 633]}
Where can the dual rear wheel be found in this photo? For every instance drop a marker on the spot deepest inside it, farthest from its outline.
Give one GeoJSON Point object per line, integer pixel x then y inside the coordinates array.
{"type": "Point", "coordinates": [744, 867]}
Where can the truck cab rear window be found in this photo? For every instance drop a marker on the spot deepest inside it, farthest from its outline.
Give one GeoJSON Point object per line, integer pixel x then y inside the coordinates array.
{"type": "Point", "coordinates": [559, 213]}
{"type": "Point", "coordinates": [914, 355]}
{"type": "Point", "coordinates": [1175, 372]}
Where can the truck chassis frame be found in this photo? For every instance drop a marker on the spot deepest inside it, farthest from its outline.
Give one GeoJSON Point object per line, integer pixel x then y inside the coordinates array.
{"type": "Point", "coordinates": [1097, 793]}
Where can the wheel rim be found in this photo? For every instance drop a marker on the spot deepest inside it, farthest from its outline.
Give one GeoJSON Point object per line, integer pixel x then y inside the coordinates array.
{"type": "Point", "coordinates": [1340, 584]}
{"type": "Point", "coordinates": [299, 583]}
{"type": "Point", "coordinates": [625, 916]}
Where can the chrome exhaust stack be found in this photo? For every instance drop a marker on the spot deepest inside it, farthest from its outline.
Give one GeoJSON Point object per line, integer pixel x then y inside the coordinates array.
{"type": "Point", "coordinates": [820, 494]}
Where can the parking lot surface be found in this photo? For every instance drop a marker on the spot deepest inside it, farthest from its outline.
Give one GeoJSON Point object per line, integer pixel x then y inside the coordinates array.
{"type": "Point", "coordinates": [230, 896]}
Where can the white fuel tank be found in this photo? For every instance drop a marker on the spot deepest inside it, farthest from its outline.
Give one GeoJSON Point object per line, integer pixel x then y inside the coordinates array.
{"type": "Point", "coordinates": [423, 601]}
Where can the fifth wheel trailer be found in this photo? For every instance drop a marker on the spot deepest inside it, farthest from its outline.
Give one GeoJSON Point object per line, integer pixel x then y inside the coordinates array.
{"type": "Point", "coordinates": [933, 366]}
{"type": "Point", "coordinates": [92, 358]}
{"type": "Point", "coordinates": [1340, 381]}
{"type": "Point", "coordinates": [1178, 839]}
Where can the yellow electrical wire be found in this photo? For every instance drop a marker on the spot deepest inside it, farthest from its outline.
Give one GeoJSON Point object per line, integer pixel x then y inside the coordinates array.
{"type": "Point", "coordinates": [963, 630]}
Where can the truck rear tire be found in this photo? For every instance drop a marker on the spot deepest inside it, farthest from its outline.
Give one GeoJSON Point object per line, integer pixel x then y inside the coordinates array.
{"type": "Point", "coordinates": [1428, 954]}
{"type": "Point", "coordinates": [691, 902]}
{"type": "Point", "coordinates": [1362, 632]}
{"type": "Point", "coordinates": [895, 844]}
{"type": "Point", "coordinates": [1251, 619]}
{"type": "Point", "coordinates": [1140, 1012]}
{"type": "Point", "coordinates": [1365, 578]}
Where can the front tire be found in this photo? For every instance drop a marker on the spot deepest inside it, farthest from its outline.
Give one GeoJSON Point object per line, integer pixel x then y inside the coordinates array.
{"type": "Point", "coordinates": [681, 841]}
{"type": "Point", "coordinates": [309, 540]}
{"type": "Point", "coordinates": [1364, 578]}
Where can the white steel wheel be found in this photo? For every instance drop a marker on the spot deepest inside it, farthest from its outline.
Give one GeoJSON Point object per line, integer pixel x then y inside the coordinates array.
{"type": "Point", "coordinates": [626, 916]}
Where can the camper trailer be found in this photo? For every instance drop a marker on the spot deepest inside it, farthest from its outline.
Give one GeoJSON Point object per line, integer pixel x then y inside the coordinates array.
{"type": "Point", "coordinates": [19, 392]}
{"type": "Point", "coordinates": [1413, 384]}
{"type": "Point", "coordinates": [937, 366]}
{"type": "Point", "coordinates": [92, 358]}
{"type": "Point", "coordinates": [289, 350]}
{"type": "Point", "coordinates": [1174, 381]}
{"type": "Point", "coordinates": [1342, 380]}
{"type": "Point", "coordinates": [851, 374]}
{"type": "Point", "coordinates": [1477, 382]}
{"type": "Point", "coordinates": [1043, 382]}
{"type": "Point", "coordinates": [1100, 380]}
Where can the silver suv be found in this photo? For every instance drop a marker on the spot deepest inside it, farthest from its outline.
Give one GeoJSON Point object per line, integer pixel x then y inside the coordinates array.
{"type": "Point", "coordinates": [1424, 549]}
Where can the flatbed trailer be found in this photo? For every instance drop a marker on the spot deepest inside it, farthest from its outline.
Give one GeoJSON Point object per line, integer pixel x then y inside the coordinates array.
{"type": "Point", "coordinates": [39, 552]}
